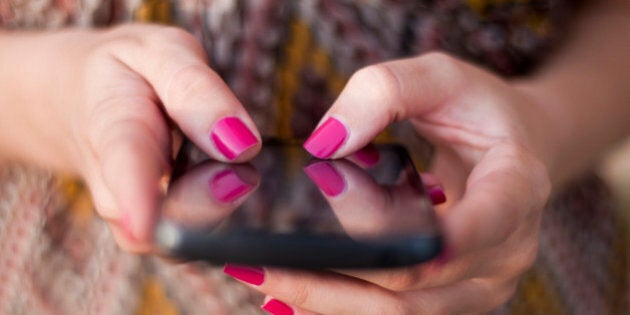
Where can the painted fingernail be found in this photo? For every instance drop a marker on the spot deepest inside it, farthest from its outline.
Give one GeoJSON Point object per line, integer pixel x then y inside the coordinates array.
{"type": "Point", "coordinates": [226, 186]}
{"type": "Point", "coordinates": [251, 275]}
{"type": "Point", "coordinates": [325, 141]}
{"type": "Point", "coordinates": [232, 137]}
{"type": "Point", "coordinates": [368, 156]}
{"type": "Point", "coordinates": [276, 307]}
{"type": "Point", "coordinates": [326, 177]}
{"type": "Point", "coordinates": [437, 195]}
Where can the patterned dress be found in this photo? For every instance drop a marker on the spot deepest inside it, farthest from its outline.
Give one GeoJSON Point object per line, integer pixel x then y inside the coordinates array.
{"type": "Point", "coordinates": [286, 61]}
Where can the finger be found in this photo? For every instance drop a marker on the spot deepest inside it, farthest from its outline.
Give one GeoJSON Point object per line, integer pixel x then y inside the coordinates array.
{"type": "Point", "coordinates": [506, 186]}
{"type": "Point", "coordinates": [473, 296]}
{"type": "Point", "coordinates": [323, 293]}
{"type": "Point", "coordinates": [131, 148]}
{"type": "Point", "coordinates": [433, 187]}
{"type": "Point", "coordinates": [193, 95]}
{"type": "Point", "coordinates": [108, 209]}
{"type": "Point", "coordinates": [329, 293]}
{"type": "Point", "coordinates": [507, 260]}
{"type": "Point", "coordinates": [381, 94]}
{"type": "Point", "coordinates": [132, 168]}
{"type": "Point", "coordinates": [432, 274]}
{"type": "Point", "coordinates": [277, 307]}
{"type": "Point", "coordinates": [208, 193]}
{"type": "Point", "coordinates": [126, 241]}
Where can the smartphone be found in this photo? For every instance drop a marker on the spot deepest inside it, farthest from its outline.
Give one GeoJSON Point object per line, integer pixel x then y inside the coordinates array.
{"type": "Point", "coordinates": [288, 209]}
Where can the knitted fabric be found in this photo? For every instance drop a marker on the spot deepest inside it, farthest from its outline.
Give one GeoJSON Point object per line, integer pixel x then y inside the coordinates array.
{"type": "Point", "coordinates": [286, 61]}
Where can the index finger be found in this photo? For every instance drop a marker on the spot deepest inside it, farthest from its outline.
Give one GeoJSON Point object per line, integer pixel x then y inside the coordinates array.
{"type": "Point", "coordinates": [193, 95]}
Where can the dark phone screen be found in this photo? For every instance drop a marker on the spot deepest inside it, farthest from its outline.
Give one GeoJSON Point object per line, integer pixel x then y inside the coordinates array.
{"type": "Point", "coordinates": [374, 194]}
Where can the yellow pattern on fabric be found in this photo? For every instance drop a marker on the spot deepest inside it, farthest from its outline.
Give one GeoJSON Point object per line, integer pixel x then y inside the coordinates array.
{"type": "Point", "coordinates": [301, 51]}
{"type": "Point", "coordinates": [77, 199]}
{"type": "Point", "coordinates": [536, 293]}
{"type": "Point", "coordinates": [154, 300]}
{"type": "Point", "coordinates": [155, 11]}
{"type": "Point", "coordinates": [480, 6]}
{"type": "Point", "coordinates": [295, 58]}
{"type": "Point", "coordinates": [323, 66]}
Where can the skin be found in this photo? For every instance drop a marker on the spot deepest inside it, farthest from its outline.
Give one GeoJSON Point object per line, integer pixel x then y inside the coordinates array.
{"type": "Point", "coordinates": [102, 110]}
{"type": "Point", "coordinates": [111, 100]}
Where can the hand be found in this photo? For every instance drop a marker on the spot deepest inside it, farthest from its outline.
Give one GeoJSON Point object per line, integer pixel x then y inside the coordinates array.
{"type": "Point", "coordinates": [109, 98]}
{"type": "Point", "coordinates": [490, 155]}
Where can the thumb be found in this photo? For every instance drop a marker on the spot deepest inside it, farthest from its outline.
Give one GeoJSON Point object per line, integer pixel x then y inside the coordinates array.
{"type": "Point", "coordinates": [378, 95]}
{"type": "Point", "coordinates": [131, 145]}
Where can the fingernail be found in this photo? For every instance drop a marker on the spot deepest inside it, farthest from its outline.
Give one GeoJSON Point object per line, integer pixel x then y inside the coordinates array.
{"type": "Point", "coordinates": [437, 195]}
{"type": "Point", "coordinates": [325, 141]}
{"type": "Point", "coordinates": [232, 137]}
{"type": "Point", "coordinates": [276, 307]}
{"type": "Point", "coordinates": [226, 186]}
{"type": "Point", "coordinates": [368, 156]}
{"type": "Point", "coordinates": [326, 177]}
{"type": "Point", "coordinates": [251, 275]}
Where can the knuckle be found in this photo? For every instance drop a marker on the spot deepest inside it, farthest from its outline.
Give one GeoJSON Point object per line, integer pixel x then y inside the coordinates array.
{"type": "Point", "coordinates": [124, 36]}
{"type": "Point", "coordinates": [379, 80]}
{"type": "Point", "coordinates": [301, 294]}
{"type": "Point", "coordinates": [440, 61]}
{"type": "Point", "coordinates": [164, 37]}
{"type": "Point", "coordinates": [193, 79]}
{"type": "Point", "coordinates": [442, 65]}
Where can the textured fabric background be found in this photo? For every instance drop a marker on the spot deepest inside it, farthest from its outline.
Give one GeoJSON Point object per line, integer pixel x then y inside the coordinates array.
{"type": "Point", "coordinates": [286, 61]}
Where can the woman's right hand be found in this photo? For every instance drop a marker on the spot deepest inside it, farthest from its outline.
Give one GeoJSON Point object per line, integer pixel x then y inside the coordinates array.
{"type": "Point", "coordinates": [100, 104]}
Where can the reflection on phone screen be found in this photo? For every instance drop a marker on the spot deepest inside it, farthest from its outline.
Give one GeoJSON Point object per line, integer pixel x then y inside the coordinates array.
{"type": "Point", "coordinates": [284, 193]}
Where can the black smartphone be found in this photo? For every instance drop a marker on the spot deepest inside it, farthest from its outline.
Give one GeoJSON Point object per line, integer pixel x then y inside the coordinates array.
{"type": "Point", "coordinates": [288, 209]}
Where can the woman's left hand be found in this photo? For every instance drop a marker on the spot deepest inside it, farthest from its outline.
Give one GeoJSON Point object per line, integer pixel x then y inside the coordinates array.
{"type": "Point", "coordinates": [493, 144]}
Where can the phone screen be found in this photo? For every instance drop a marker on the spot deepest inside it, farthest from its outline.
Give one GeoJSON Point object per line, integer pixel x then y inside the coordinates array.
{"type": "Point", "coordinates": [287, 202]}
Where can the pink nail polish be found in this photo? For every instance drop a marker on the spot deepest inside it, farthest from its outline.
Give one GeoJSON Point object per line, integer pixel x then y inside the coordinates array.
{"type": "Point", "coordinates": [232, 137]}
{"type": "Point", "coordinates": [368, 156]}
{"type": "Point", "coordinates": [437, 195]}
{"type": "Point", "coordinates": [325, 141]}
{"type": "Point", "coordinates": [276, 307]}
{"type": "Point", "coordinates": [326, 177]}
{"type": "Point", "coordinates": [226, 186]}
{"type": "Point", "coordinates": [251, 275]}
